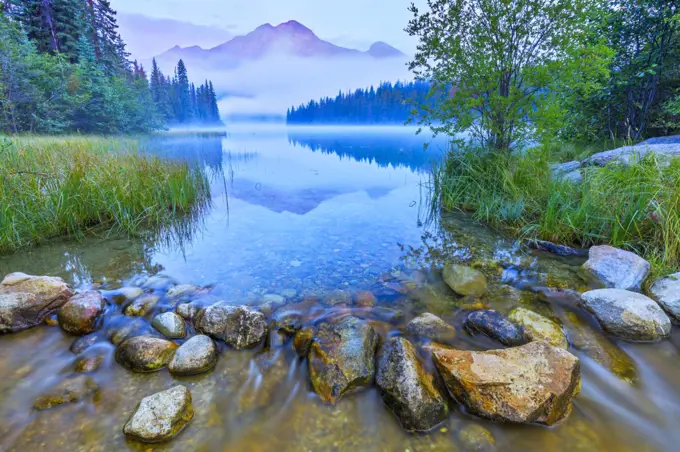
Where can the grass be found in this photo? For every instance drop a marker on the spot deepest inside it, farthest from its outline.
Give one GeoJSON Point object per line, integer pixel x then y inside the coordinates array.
{"type": "Point", "coordinates": [70, 186]}
{"type": "Point", "coordinates": [633, 207]}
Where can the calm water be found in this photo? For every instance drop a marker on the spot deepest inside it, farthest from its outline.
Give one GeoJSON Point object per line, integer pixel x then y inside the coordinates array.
{"type": "Point", "coordinates": [304, 212]}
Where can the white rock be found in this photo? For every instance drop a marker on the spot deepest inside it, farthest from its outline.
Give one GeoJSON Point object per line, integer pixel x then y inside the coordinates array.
{"type": "Point", "coordinates": [161, 416]}
{"type": "Point", "coordinates": [617, 269]}
{"type": "Point", "coordinates": [666, 292]}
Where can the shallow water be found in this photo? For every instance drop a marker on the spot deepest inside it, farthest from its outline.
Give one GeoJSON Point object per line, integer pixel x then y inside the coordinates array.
{"type": "Point", "coordinates": [305, 212]}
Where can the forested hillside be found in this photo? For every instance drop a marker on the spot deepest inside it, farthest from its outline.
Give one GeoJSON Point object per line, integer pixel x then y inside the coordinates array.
{"type": "Point", "coordinates": [64, 68]}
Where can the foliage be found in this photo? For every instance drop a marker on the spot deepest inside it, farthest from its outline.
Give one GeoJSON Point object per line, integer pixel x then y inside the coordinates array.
{"type": "Point", "coordinates": [51, 187]}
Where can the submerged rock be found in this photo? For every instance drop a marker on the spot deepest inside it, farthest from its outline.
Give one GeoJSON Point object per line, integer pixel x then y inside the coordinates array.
{"type": "Point", "coordinates": [337, 297]}
{"type": "Point", "coordinates": [87, 364]}
{"type": "Point", "coordinates": [142, 305]}
{"type": "Point", "coordinates": [342, 358]}
{"type": "Point", "coordinates": [26, 300]}
{"type": "Point", "coordinates": [627, 315]}
{"type": "Point", "coordinates": [195, 356]}
{"type": "Point", "coordinates": [80, 314]}
{"type": "Point", "coordinates": [145, 353]}
{"type": "Point", "coordinates": [83, 343]}
{"type": "Point", "coordinates": [474, 437]}
{"type": "Point", "coordinates": [302, 341]}
{"type": "Point", "coordinates": [535, 382]}
{"type": "Point", "coordinates": [539, 328]}
{"type": "Point", "coordinates": [365, 299]}
{"type": "Point", "coordinates": [560, 250]}
{"type": "Point", "coordinates": [431, 327]}
{"type": "Point", "coordinates": [69, 390]}
{"type": "Point", "coordinates": [617, 269]}
{"type": "Point", "coordinates": [169, 325]}
{"type": "Point", "coordinates": [161, 416]}
{"type": "Point", "coordinates": [409, 390]}
{"type": "Point", "coordinates": [238, 326]}
{"type": "Point", "coordinates": [666, 292]}
{"type": "Point", "coordinates": [159, 282]}
{"type": "Point", "coordinates": [494, 325]}
{"type": "Point", "coordinates": [125, 328]}
{"type": "Point", "coordinates": [464, 280]}
{"type": "Point", "coordinates": [184, 290]}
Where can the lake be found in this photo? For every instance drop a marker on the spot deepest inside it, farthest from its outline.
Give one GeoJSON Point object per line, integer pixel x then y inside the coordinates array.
{"type": "Point", "coordinates": [306, 213]}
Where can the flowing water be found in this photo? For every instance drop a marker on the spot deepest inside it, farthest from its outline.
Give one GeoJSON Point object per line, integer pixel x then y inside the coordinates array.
{"type": "Point", "coordinates": [310, 212]}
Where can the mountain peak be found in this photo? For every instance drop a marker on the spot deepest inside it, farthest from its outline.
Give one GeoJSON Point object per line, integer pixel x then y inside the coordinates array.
{"type": "Point", "coordinates": [381, 49]}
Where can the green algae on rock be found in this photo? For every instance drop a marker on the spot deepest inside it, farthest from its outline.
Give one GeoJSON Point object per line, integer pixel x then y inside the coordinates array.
{"type": "Point", "coordinates": [538, 328]}
{"type": "Point", "coordinates": [69, 390]}
{"type": "Point", "coordinates": [145, 353]}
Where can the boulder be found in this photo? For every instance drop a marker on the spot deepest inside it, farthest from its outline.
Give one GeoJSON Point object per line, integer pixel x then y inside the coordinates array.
{"type": "Point", "coordinates": [617, 269]}
{"type": "Point", "coordinates": [187, 310]}
{"type": "Point", "coordinates": [145, 353]}
{"type": "Point", "coordinates": [195, 356]}
{"type": "Point", "coordinates": [539, 328]}
{"type": "Point", "coordinates": [71, 389]}
{"type": "Point", "coordinates": [627, 155]}
{"type": "Point", "coordinates": [80, 314]}
{"type": "Point", "coordinates": [407, 388]}
{"type": "Point", "coordinates": [494, 325]}
{"type": "Point", "coordinates": [666, 292]}
{"type": "Point", "coordinates": [26, 300]}
{"type": "Point", "coordinates": [238, 326]}
{"type": "Point", "coordinates": [161, 416]}
{"type": "Point", "coordinates": [465, 281]}
{"type": "Point", "coordinates": [431, 327]}
{"type": "Point", "coordinates": [142, 305]}
{"type": "Point", "coordinates": [170, 325]}
{"type": "Point", "coordinates": [570, 172]}
{"type": "Point", "coordinates": [342, 358]}
{"type": "Point", "coordinates": [627, 315]}
{"type": "Point", "coordinates": [535, 382]}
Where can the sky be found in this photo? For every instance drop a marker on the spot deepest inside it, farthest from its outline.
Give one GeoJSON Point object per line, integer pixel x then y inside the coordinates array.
{"type": "Point", "coordinates": [350, 23]}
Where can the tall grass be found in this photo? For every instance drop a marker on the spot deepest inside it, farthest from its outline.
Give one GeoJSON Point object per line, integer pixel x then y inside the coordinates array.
{"type": "Point", "coordinates": [633, 207]}
{"type": "Point", "coordinates": [68, 186]}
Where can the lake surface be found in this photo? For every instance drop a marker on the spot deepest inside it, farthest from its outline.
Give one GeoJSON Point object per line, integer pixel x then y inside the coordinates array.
{"type": "Point", "coordinates": [306, 212]}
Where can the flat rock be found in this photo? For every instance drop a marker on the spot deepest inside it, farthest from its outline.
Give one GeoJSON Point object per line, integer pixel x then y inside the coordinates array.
{"type": "Point", "coordinates": [26, 300]}
{"type": "Point", "coordinates": [666, 292]}
{"type": "Point", "coordinates": [407, 388]}
{"type": "Point", "coordinates": [431, 327]}
{"type": "Point", "coordinates": [195, 356]}
{"type": "Point", "coordinates": [465, 281]}
{"type": "Point", "coordinates": [238, 326]}
{"type": "Point", "coordinates": [342, 358]}
{"type": "Point", "coordinates": [533, 383]}
{"type": "Point", "coordinates": [617, 269]}
{"type": "Point", "coordinates": [145, 353]}
{"type": "Point", "coordinates": [69, 390]}
{"type": "Point", "coordinates": [80, 314]}
{"type": "Point", "coordinates": [170, 325]}
{"type": "Point", "coordinates": [161, 416]}
{"type": "Point", "coordinates": [494, 325]}
{"type": "Point", "coordinates": [627, 315]}
{"type": "Point", "coordinates": [539, 328]}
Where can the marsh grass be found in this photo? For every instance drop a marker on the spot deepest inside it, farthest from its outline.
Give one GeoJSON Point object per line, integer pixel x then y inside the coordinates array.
{"type": "Point", "coordinates": [633, 207]}
{"type": "Point", "coordinates": [71, 186]}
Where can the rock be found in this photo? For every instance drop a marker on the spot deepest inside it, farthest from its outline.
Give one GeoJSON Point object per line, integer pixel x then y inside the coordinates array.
{"type": "Point", "coordinates": [627, 315]}
{"type": "Point", "coordinates": [184, 290]}
{"type": "Point", "coordinates": [494, 325]}
{"type": "Point", "coordinates": [128, 293]}
{"type": "Point", "coordinates": [365, 299]}
{"type": "Point", "coordinates": [464, 280]}
{"type": "Point", "coordinates": [83, 343]}
{"type": "Point", "coordinates": [670, 139]}
{"type": "Point", "coordinates": [535, 382]}
{"type": "Point", "coordinates": [474, 437]}
{"type": "Point", "coordinates": [170, 325]}
{"type": "Point", "coordinates": [145, 353]}
{"type": "Point", "coordinates": [274, 300]}
{"type": "Point", "coordinates": [88, 363]}
{"type": "Point", "coordinates": [666, 292]}
{"type": "Point", "coordinates": [125, 330]}
{"type": "Point", "coordinates": [238, 326]}
{"type": "Point", "coordinates": [629, 154]}
{"type": "Point", "coordinates": [69, 390]}
{"type": "Point", "coordinates": [560, 250]}
{"type": "Point", "coordinates": [289, 293]}
{"type": "Point", "coordinates": [187, 310]}
{"type": "Point", "coordinates": [161, 416]}
{"type": "Point", "coordinates": [337, 297]}
{"type": "Point", "coordinates": [195, 356]}
{"type": "Point", "coordinates": [559, 169]}
{"type": "Point", "coordinates": [80, 314]}
{"type": "Point", "coordinates": [575, 177]}
{"type": "Point", "coordinates": [26, 300]}
{"type": "Point", "coordinates": [539, 328]}
{"type": "Point", "coordinates": [617, 269]}
{"type": "Point", "coordinates": [142, 305]}
{"type": "Point", "coordinates": [431, 327]}
{"type": "Point", "coordinates": [410, 391]}
{"type": "Point", "coordinates": [159, 282]}
{"type": "Point", "coordinates": [342, 358]}
{"type": "Point", "coordinates": [302, 341]}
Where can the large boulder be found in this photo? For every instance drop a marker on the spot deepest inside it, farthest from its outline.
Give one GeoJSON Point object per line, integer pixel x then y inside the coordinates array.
{"type": "Point", "coordinates": [26, 300]}
{"type": "Point", "coordinates": [539, 328]}
{"type": "Point", "coordinates": [617, 269]}
{"type": "Point", "coordinates": [627, 155]}
{"type": "Point", "coordinates": [161, 416]}
{"type": "Point", "coordinates": [464, 280]}
{"type": "Point", "coordinates": [145, 353]}
{"type": "Point", "coordinates": [80, 314]}
{"type": "Point", "coordinates": [666, 292]}
{"type": "Point", "coordinates": [71, 389]}
{"type": "Point", "coordinates": [535, 382]}
{"type": "Point", "coordinates": [342, 358]}
{"type": "Point", "coordinates": [195, 356]}
{"type": "Point", "coordinates": [238, 326]}
{"type": "Point", "coordinates": [627, 315]}
{"type": "Point", "coordinates": [431, 327]}
{"type": "Point", "coordinates": [169, 325]}
{"type": "Point", "coordinates": [494, 325]}
{"type": "Point", "coordinates": [407, 388]}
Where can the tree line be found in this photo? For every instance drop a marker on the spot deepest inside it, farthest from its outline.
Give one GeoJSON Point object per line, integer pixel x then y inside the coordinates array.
{"type": "Point", "coordinates": [388, 104]}
{"type": "Point", "coordinates": [64, 68]}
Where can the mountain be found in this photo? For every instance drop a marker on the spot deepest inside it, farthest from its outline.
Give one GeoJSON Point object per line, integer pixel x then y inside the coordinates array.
{"type": "Point", "coordinates": [383, 50]}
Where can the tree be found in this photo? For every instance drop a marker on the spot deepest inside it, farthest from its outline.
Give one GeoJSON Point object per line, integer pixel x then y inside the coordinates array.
{"type": "Point", "coordinates": [499, 60]}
